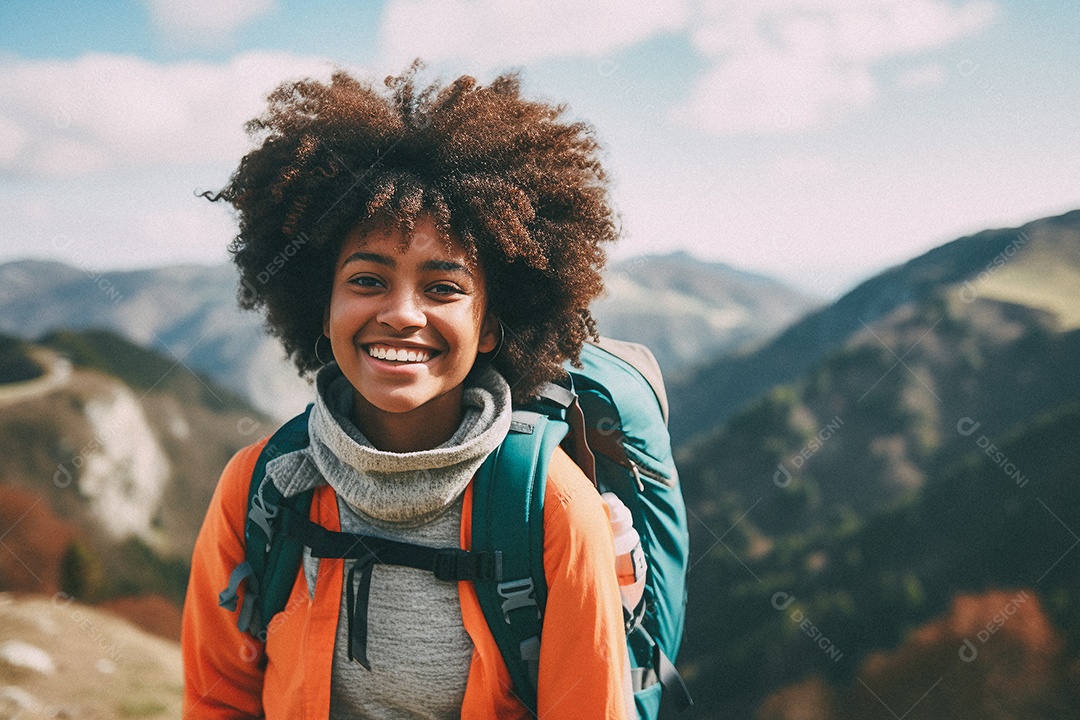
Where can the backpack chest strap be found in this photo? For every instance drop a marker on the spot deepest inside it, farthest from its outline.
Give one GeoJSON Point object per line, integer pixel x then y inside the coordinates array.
{"type": "Point", "coordinates": [449, 564]}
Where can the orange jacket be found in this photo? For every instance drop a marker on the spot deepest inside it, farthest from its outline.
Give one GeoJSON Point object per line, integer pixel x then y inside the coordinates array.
{"type": "Point", "coordinates": [229, 674]}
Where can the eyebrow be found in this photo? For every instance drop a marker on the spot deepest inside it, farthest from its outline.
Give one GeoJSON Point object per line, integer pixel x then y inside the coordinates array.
{"type": "Point", "coordinates": [387, 261]}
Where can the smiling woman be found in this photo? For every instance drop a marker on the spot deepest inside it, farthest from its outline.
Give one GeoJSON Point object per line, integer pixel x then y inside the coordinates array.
{"type": "Point", "coordinates": [434, 255]}
{"type": "Point", "coordinates": [406, 321]}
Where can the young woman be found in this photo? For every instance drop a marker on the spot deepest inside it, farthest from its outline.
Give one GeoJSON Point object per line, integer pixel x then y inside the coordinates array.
{"type": "Point", "coordinates": [430, 254]}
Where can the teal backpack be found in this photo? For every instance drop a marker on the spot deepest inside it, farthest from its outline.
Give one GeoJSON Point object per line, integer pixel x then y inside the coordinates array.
{"type": "Point", "coordinates": [612, 421]}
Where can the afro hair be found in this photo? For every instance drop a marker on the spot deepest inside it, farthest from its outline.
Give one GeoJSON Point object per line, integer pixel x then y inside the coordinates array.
{"type": "Point", "coordinates": [521, 188]}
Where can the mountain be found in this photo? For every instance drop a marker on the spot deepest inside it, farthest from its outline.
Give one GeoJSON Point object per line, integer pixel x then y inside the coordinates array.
{"type": "Point", "coordinates": [688, 310]}
{"type": "Point", "coordinates": [108, 460]}
{"type": "Point", "coordinates": [861, 430]}
{"type": "Point", "coordinates": [916, 444]}
{"type": "Point", "coordinates": [188, 313]}
{"type": "Point", "coordinates": [685, 309]}
{"type": "Point", "coordinates": [863, 426]}
{"type": "Point", "coordinates": [1036, 266]}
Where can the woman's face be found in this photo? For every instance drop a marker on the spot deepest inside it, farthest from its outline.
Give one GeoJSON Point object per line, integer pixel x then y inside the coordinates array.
{"type": "Point", "coordinates": [406, 325]}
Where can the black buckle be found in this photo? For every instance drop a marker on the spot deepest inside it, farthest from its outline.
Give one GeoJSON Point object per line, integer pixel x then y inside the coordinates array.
{"type": "Point", "coordinates": [456, 564]}
{"type": "Point", "coordinates": [446, 565]}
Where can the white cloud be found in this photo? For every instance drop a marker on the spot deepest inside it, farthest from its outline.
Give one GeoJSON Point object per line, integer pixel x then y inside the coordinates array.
{"type": "Point", "coordinates": [66, 157]}
{"type": "Point", "coordinates": [774, 66]}
{"type": "Point", "coordinates": [68, 118]}
{"type": "Point", "coordinates": [204, 22]}
{"type": "Point", "coordinates": [787, 65]}
{"type": "Point", "coordinates": [490, 34]}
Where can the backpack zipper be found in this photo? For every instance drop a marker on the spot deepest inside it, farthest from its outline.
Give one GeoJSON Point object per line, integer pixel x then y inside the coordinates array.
{"type": "Point", "coordinates": [640, 469]}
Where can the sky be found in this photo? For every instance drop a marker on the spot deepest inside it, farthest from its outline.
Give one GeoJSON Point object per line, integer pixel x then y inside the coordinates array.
{"type": "Point", "coordinates": [815, 141]}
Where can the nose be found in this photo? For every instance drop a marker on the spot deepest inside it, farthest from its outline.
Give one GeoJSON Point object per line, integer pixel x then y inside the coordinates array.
{"type": "Point", "coordinates": [402, 310]}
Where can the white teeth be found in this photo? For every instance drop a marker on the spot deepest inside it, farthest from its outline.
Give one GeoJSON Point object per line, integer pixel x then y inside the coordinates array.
{"type": "Point", "coordinates": [398, 355]}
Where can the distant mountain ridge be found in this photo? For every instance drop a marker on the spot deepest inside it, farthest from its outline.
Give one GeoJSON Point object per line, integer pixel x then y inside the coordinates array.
{"type": "Point", "coordinates": [684, 309]}
{"type": "Point", "coordinates": [689, 310]}
{"type": "Point", "coordinates": [1037, 265]}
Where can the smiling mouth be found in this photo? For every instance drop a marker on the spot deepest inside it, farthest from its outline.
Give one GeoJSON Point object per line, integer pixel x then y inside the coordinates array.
{"type": "Point", "coordinates": [400, 355]}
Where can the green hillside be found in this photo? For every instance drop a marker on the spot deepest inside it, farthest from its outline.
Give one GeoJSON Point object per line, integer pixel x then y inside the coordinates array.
{"type": "Point", "coordinates": [865, 585]}
{"type": "Point", "coordinates": [912, 444]}
{"type": "Point", "coordinates": [862, 430]}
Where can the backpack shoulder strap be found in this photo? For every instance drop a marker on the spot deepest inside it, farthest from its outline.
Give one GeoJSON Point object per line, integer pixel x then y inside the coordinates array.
{"type": "Point", "coordinates": [508, 511]}
{"type": "Point", "coordinates": [272, 555]}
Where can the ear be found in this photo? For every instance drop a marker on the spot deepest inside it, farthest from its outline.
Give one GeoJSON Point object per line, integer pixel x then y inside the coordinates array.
{"type": "Point", "coordinates": [326, 321]}
{"type": "Point", "coordinates": [489, 333]}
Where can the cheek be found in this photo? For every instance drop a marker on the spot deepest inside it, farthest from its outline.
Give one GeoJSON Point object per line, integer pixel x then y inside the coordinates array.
{"type": "Point", "coordinates": [345, 314]}
{"type": "Point", "coordinates": [333, 318]}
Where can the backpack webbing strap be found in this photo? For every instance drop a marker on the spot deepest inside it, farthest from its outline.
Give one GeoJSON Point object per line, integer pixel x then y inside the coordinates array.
{"type": "Point", "coordinates": [672, 682]}
{"type": "Point", "coordinates": [575, 443]}
{"type": "Point", "coordinates": [450, 564]}
{"type": "Point", "coordinates": [271, 558]}
{"type": "Point", "coordinates": [446, 563]}
{"type": "Point", "coordinates": [662, 670]}
{"type": "Point", "coordinates": [227, 597]}
{"type": "Point", "coordinates": [508, 492]}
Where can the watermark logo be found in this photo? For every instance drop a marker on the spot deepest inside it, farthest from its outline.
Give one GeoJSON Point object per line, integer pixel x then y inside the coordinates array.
{"type": "Point", "coordinates": [276, 263]}
{"type": "Point", "coordinates": [968, 650]}
{"type": "Point", "coordinates": [968, 68]}
{"type": "Point", "coordinates": [782, 601]}
{"type": "Point", "coordinates": [63, 242]}
{"type": "Point", "coordinates": [63, 477]}
{"type": "Point", "coordinates": [87, 625]}
{"type": "Point", "coordinates": [247, 425]}
{"type": "Point", "coordinates": [967, 427]}
{"type": "Point", "coordinates": [969, 293]}
{"type": "Point", "coordinates": [782, 477]}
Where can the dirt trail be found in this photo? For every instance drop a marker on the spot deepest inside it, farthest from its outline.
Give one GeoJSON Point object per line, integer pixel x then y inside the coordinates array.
{"type": "Point", "coordinates": [58, 376]}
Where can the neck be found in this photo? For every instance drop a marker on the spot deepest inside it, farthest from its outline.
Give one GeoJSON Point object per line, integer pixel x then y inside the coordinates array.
{"type": "Point", "coordinates": [422, 428]}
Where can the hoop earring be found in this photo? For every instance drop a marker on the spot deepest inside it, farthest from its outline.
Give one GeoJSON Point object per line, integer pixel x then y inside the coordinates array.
{"type": "Point", "coordinates": [319, 359]}
{"type": "Point", "coordinates": [498, 346]}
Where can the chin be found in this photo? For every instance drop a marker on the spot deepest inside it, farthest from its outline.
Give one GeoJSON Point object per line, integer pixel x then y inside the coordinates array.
{"type": "Point", "coordinates": [395, 404]}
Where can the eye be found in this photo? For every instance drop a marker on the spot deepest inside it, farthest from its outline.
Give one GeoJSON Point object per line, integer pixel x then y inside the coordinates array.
{"type": "Point", "coordinates": [445, 289]}
{"type": "Point", "coordinates": [365, 281]}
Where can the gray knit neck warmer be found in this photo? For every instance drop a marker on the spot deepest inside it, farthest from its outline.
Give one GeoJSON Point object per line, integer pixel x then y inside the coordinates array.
{"type": "Point", "coordinates": [388, 488]}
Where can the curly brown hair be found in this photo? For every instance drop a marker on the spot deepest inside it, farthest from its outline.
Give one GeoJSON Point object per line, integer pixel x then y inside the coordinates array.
{"type": "Point", "coordinates": [521, 188]}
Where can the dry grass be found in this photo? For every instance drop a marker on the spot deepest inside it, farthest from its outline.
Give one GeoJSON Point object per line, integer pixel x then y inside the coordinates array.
{"type": "Point", "coordinates": [104, 667]}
